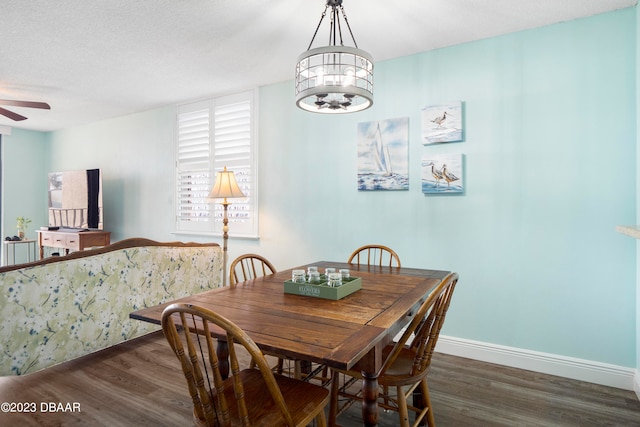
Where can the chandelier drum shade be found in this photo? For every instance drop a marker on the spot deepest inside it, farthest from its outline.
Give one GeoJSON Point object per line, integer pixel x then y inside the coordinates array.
{"type": "Point", "coordinates": [334, 79]}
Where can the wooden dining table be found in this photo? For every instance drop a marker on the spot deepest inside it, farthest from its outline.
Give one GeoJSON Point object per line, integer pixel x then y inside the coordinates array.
{"type": "Point", "coordinates": [345, 334]}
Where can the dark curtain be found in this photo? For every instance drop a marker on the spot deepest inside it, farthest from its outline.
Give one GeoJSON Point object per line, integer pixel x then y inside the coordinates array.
{"type": "Point", "coordinates": [93, 188]}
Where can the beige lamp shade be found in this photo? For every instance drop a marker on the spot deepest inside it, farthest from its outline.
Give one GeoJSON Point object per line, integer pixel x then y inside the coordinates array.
{"type": "Point", "coordinates": [226, 186]}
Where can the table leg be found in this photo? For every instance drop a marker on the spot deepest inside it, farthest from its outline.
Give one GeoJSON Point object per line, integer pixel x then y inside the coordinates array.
{"type": "Point", "coordinates": [418, 402]}
{"type": "Point", "coordinates": [370, 398]}
{"type": "Point", "coordinates": [222, 351]}
{"type": "Point", "coordinates": [333, 404]}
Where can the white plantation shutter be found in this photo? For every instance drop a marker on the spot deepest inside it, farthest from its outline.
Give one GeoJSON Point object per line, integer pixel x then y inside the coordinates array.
{"type": "Point", "coordinates": [193, 167]}
{"type": "Point", "coordinates": [211, 135]}
{"type": "Point", "coordinates": [233, 135]}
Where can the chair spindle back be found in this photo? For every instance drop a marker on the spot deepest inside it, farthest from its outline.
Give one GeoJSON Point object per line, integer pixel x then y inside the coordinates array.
{"type": "Point", "coordinates": [249, 266]}
{"type": "Point", "coordinates": [425, 327]}
{"type": "Point", "coordinates": [377, 255]}
{"type": "Point", "coordinates": [202, 368]}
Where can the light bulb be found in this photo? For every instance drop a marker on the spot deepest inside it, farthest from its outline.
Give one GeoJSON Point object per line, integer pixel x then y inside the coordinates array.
{"type": "Point", "coordinates": [348, 77]}
{"type": "Point", "coordinates": [319, 76]}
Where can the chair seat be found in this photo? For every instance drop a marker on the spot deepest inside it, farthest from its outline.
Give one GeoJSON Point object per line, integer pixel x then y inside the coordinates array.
{"type": "Point", "coordinates": [301, 398]}
{"type": "Point", "coordinates": [398, 373]}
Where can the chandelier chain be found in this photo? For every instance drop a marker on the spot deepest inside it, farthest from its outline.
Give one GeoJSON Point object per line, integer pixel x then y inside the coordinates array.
{"type": "Point", "coordinates": [335, 25]}
{"type": "Point", "coordinates": [324, 13]}
{"type": "Point", "coordinates": [346, 21]}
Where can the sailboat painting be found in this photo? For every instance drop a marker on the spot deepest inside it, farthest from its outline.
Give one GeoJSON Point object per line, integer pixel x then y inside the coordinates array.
{"type": "Point", "coordinates": [442, 174]}
{"type": "Point", "coordinates": [383, 155]}
{"type": "Point", "coordinates": [442, 123]}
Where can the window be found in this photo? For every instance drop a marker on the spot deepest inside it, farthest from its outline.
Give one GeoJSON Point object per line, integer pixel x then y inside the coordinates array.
{"type": "Point", "coordinates": [212, 134]}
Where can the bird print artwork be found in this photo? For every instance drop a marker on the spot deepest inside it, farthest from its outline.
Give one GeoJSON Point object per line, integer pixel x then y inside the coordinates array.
{"type": "Point", "coordinates": [440, 119]}
{"type": "Point", "coordinates": [442, 123]}
{"type": "Point", "coordinates": [438, 169]}
{"type": "Point", "coordinates": [437, 175]}
{"type": "Point", "coordinates": [448, 176]}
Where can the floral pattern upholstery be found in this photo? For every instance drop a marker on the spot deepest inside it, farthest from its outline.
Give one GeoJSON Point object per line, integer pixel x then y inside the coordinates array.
{"type": "Point", "coordinates": [62, 310]}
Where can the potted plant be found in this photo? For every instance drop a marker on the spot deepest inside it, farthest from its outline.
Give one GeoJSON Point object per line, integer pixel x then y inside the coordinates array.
{"type": "Point", "coordinates": [22, 224]}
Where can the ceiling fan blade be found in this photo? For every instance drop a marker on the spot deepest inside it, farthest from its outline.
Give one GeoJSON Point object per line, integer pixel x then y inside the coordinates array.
{"type": "Point", "coordinates": [29, 104]}
{"type": "Point", "coordinates": [12, 115]}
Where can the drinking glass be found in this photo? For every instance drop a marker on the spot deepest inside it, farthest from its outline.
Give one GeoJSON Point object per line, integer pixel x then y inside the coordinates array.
{"type": "Point", "coordinates": [298, 276]}
{"type": "Point", "coordinates": [335, 280]}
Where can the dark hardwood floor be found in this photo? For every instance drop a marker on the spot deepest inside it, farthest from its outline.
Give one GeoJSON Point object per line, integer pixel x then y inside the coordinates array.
{"type": "Point", "coordinates": [139, 383]}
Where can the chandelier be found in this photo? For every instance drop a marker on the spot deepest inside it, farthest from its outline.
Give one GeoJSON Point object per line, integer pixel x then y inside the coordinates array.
{"type": "Point", "coordinates": [334, 79]}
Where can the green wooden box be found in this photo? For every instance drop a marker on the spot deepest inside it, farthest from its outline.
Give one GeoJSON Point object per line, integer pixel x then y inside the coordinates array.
{"type": "Point", "coordinates": [321, 290]}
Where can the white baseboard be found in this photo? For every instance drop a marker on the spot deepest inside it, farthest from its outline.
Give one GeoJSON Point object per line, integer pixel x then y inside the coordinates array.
{"type": "Point", "coordinates": [552, 364]}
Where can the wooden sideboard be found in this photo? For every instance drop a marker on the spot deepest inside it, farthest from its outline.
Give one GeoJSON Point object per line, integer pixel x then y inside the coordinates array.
{"type": "Point", "coordinates": [71, 240]}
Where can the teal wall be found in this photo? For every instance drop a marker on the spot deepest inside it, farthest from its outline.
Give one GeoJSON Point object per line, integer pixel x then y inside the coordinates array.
{"type": "Point", "coordinates": [24, 186]}
{"type": "Point", "coordinates": [637, 38]}
{"type": "Point", "coordinates": [136, 156]}
{"type": "Point", "coordinates": [550, 171]}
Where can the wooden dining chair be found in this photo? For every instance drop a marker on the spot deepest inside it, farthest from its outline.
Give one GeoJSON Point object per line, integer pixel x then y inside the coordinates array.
{"type": "Point", "coordinates": [249, 266]}
{"type": "Point", "coordinates": [406, 362]}
{"type": "Point", "coordinates": [375, 255]}
{"type": "Point", "coordinates": [249, 397]}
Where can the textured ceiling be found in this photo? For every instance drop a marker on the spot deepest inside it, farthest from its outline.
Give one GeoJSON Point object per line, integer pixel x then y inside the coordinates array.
{"type": "Point", "coordinates": [92, 60]}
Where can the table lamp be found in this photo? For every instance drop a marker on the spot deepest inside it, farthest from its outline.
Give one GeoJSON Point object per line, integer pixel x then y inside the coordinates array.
{"type": "Point", "coordinates": [225, 187]}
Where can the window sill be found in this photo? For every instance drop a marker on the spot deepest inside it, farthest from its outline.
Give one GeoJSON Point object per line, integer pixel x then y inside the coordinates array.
{"type": "Point", "coordinates": [218, 235]}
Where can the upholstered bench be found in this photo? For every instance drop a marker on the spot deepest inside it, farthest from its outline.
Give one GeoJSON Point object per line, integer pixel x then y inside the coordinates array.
{"type": "Point", "coordinates": [61, 308]}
